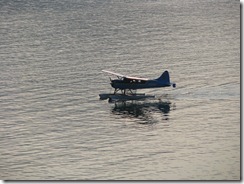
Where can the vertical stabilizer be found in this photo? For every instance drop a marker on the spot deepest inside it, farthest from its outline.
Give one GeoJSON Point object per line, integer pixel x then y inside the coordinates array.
{"type": "Point", "coordinates": [164, 77]}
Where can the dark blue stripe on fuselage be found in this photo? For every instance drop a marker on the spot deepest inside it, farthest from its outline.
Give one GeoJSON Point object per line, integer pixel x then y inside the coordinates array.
{"type": "Point", "coordinates": [118, 84]}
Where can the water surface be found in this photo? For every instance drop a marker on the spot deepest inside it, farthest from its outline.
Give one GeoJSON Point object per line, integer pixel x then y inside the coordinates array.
{"type": "Point", "coordinates": [53, 125]}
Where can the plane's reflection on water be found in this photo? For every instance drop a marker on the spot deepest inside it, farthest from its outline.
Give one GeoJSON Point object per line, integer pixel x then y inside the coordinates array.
{"type": "Point", "coordinates": [145, 112]}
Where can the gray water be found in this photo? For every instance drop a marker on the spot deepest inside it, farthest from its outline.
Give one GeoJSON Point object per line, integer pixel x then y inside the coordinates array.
{"type": "Point", "coordinates": [53, 125]}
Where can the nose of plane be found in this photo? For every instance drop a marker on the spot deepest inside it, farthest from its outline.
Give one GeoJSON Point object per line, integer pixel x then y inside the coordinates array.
{"type": "Point", "coordinates": [112, 83]}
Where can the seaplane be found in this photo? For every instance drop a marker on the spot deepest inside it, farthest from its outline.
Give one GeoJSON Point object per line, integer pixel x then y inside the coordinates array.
{"type": "Point", "coordinates": [125, 86]}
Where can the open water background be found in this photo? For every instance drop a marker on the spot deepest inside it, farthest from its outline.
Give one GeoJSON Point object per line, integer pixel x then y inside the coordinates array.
{"type": "Point", "coordinates": [53, 125]}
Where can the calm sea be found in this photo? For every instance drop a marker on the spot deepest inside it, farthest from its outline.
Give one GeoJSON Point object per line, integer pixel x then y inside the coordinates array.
{"type": "Point", "coordinates": [53, 125]}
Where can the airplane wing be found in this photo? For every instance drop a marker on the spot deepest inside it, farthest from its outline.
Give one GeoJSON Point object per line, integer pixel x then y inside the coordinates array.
{"type": "Point", "coordinates": [113, 73]}
{"type": "Point", "coordinates": [128, 77]}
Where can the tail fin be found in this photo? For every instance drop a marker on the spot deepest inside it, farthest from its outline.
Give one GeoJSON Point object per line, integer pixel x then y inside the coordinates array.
{"type": "Point", "coordinates": [164, 77]}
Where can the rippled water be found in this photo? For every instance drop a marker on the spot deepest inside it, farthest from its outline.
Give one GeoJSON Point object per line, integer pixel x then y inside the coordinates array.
{"type": "Point", "coordinates": [53, 125]}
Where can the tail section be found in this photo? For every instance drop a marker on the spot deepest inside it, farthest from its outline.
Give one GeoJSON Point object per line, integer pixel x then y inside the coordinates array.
{"type": "Point", "coordinates": [164, 77]}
